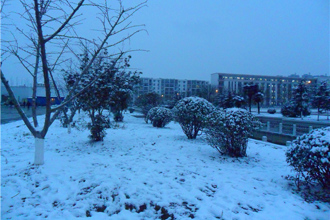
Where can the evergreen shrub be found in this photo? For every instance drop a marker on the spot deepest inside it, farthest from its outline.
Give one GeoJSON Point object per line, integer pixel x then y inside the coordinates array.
{"type": "Point", "coordinates": [271, 111]}
{"type": "Point", "coordinates": [191, 113]}
{"type": "Point", "coordinates": [290, 109]}
{"type": "Point", "coordinates": [309, 155]}
{"type": "Point", "coordinates": [228, 131]}
{"type": "Point", "coordinates": [97, 128]}
{"type": "Point", "coordinates": [159, 116]}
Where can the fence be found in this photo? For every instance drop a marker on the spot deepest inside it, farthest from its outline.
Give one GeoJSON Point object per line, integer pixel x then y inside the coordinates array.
{"type": "Point", "coordinates": [281, 130]}
{"type": "Point", "coordinates": [289, 126]}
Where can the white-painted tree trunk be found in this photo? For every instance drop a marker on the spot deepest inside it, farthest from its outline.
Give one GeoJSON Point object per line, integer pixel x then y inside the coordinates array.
{"type": "Point", "coordinates": [39, 151]}
{"type": "Point", "coordinates": [69, 128]}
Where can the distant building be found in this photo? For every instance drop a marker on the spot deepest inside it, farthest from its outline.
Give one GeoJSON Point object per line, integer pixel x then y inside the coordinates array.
{"type": "Point", "coordinates": [277, 89]}
{"type": "Point", "coordinates": [21, 92]}
{"type": "Point", "coordinates": [41, 100]}
{"type": "Point", "coordinates": [168, 88]}
{"type": "Point", "coordinates": [24, 93]}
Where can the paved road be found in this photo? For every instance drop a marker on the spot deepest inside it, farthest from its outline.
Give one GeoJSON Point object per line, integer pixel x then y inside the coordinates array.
{"type": "Point", "coordinates": [9, 114]}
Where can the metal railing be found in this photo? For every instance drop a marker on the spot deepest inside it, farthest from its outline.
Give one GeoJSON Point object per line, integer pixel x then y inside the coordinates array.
{"type": "Point", "coordinates": [289, 126]}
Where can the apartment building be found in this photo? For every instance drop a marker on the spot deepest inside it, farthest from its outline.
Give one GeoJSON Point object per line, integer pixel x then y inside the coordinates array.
{"type": "Point", "coordinates": [277, 89]}
{"type": "Point", "coordinates": [168, 88]}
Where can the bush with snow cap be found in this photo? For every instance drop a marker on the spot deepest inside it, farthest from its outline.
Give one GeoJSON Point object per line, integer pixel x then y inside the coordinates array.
{"type": "Point", "coordinates": [97, 128]}
{"type": "Point", "coordinates": [159, 116]}
{"type": "Point", "coordinates": [228, 131]}
{"type": "Point", "coordinates": [191, 113]}
{"type": "Point", "coordinates": [271, 110]}
{"type": "Point", "coordinates": [309, 155]}
{"type": "Point", "coordinates": [290, 109]}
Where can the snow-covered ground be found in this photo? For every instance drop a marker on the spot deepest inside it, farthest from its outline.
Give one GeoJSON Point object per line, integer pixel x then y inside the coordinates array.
{"type": "Point", "coordinates": [141, 172]}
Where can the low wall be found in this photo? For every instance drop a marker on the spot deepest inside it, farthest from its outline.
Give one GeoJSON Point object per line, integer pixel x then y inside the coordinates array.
{"type": "Point", "coordinates": [272, 137]}
{"type": "Point", "coordinates": [301, 126]}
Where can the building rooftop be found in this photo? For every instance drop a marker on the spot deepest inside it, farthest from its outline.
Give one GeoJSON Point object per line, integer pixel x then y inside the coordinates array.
{"type": "Point", "coordinates": [261, 76]}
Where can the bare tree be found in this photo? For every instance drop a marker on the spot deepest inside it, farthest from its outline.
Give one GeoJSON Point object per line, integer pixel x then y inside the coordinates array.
{"type": "Point", "coordinates": [51, 30]}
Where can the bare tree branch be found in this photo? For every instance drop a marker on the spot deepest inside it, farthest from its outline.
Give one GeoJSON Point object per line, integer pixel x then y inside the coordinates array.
{"type": "Point", "coordinates": [46, 52]}
{"type": "Point", "coordinates": [65, 22]}
{"type": "Point", "coordinates": [16, 104]}
{"type": "Point", "coordinates": [3, 2]}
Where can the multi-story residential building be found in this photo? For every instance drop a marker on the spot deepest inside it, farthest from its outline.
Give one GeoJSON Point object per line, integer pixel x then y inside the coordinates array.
{"type": "Point", "coordinates": [277, 89]}
{"type": "Point", "coordinates": [168, 88]}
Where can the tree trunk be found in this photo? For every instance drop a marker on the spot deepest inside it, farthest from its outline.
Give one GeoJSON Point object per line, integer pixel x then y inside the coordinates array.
{"type": "Point", "coordinates": [318, 113]}
{"type": "Point", "coordinates": [34, 101]}
{"type": "Point", "coordinates": [34, 89]}
{"type": "Point", "coordinates": [69, 128]}
{"type": "Point", "coordinates": [258, 107]}
{"type": "Point", "coordinates": [39, 151]}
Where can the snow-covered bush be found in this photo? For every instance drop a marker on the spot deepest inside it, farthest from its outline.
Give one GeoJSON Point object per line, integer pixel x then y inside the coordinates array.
{"type": "Point", "coordinates": [97, 128]}
{"type": "Point", "coordinates": [299, 104]}
{"type": "Point", "coordinates": [131, 110]}
{"type": "Point", "coordinates": [291, 109]}
{"type": "Point", "coordinates": [309, 155]}
{"type": "Point", "coordinates": [191, 113]}
{"type": "Point", "coordinates": [271, 110]}
{"type": "Point", "coordinates": [228, 130]}
{"type": "Point", "coordinates": [159, 116]}
{"type": "Point", "coordinates": [118, 116]}
{"type": "Point", "coordinates": [148, 101]}
{"type": "Point", "coordinates": [122, 86]}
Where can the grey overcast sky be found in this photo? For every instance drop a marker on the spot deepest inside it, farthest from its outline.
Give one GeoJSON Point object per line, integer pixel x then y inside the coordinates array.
{"type": "Point", "coordinates": [190, 39]}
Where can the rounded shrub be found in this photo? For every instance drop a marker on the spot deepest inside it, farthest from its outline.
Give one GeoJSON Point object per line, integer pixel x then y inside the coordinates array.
{"type": "Point", "coordinates": [131, 110]}
{"type": "Point", "coordinates": [309, 155]}
{"type": "Point", "coordinates": [271, 110]}
{"type": "Point", "coordinates": [228, 130]}
{"type": "Point", "coordinates": [191, 113]}
{"type": "Point", "coordinates": [159, 116]}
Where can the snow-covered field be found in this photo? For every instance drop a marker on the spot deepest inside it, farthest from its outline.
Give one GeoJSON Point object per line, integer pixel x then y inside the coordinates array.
{"type": "Point", "coordinates": [141, 172]}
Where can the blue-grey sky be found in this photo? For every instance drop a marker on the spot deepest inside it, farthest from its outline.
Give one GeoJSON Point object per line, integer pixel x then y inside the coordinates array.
{"type": "Point", "coordinates": [190, 39]}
